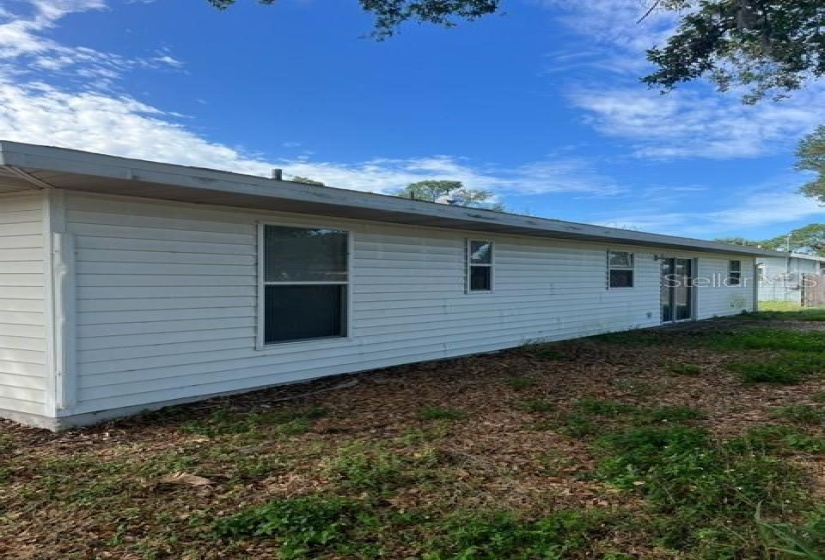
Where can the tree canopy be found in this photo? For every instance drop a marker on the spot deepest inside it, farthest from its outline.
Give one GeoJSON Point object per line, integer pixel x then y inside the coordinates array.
{"type": "Point", "coordinates": [769, 46]}
{"type": "Point", "coordinates": [808, 239]}
{"type": "Point", "coordinates": [307, 181]}
{"type": "Point", "coordinates": [450, 192]}
{"type": "Point", "coordinates": [811, 157]}
{"type": "Point", "coordinates": [389, 14]}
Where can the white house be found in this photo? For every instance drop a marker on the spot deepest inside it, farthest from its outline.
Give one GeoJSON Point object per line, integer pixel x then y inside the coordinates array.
{"type": "Point", "coordinates": [781, 275]}
{"type": "Point", "coordinates": [128, 285]}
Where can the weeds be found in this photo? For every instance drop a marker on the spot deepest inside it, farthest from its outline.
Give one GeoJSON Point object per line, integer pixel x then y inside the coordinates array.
{"type": "Point", "coordinates": [303, 526]}
{"type": "Point", "coordinates": [781, 371]}
{"type": "Point", "coordinates": [697, 482]}
{"type": "Point", "coordinates": [801, 413]}
{"type": "Point", "coordinates": [784, 340]}
{"type": "Point", "coordinates": [438, 413]}
{"type": "Point", "coordinates": [225, 422]}
{"type": "Point", "coordinates": [685, 369]}
{"type": "Point", "coordinates": [521, 383]}
{"type": "Point", "coordinates": [498, 535]}
{"type": "Point", "coordinates": [538, 406]}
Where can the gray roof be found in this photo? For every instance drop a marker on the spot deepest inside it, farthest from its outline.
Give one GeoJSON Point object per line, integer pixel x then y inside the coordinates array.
{"type": "Point", "coordinates": [28, 166]}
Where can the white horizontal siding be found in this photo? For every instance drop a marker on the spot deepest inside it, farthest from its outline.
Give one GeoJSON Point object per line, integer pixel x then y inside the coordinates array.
{"type": "Point", "coordinates": [22, 312]}
{"type": "Point", "coordinates": [168, 300]}
{"type": "Point", "coordinates": [716, 298]}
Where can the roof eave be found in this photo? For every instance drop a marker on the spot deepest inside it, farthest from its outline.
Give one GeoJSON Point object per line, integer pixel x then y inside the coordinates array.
{"type": "Point", "coordinates": [189, 184]}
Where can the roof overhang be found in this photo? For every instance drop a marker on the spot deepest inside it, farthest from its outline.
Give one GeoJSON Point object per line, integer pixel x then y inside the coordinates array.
{"type": "Point", "coordinates": [60, 168]}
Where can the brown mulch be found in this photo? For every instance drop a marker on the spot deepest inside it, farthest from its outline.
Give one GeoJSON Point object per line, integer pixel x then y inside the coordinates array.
{"type": "Point", "coordinates": [500, 456]}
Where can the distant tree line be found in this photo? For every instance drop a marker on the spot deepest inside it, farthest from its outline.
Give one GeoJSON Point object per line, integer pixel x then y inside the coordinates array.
{"type": "Point", "coordinates": [809, 239]}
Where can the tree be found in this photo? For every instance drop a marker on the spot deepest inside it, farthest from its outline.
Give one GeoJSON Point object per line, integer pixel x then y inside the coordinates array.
{"type": "Point", "coordinates": [810, 156]}
{"type": "Point", "coordinates": [809, 239]}
{"type": "Point", "coordinates": [307, 181]}
{"type": "Point", "coordinates": [449, 192]}
{"type": "Point", "coordinates": [389, 14]}
{"type": "Point", "coordinates": [769, 46]}
{"type": "Point", "coordinates": [739, 241]}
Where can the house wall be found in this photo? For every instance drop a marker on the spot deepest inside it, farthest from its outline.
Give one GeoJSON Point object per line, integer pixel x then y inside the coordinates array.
{"type": "Point", "coordinates": [23, 331]}
{"type": "Point", "coordinates": [782, 278]}
{"type": "Point", "coordinates": [167, 299]}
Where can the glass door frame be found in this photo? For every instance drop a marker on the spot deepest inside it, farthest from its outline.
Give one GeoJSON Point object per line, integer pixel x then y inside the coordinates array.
{"type": "Point", "coordinates": [669, 291]}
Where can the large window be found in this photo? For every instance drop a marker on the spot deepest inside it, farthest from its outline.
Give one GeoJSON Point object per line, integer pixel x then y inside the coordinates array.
{"type": "Point", "coordinates": [619, 269]}
{"type": "Point", "coordinates": [479, 265]}
{"type": "Point", "coordinates": [305, 283]}
{"type": "Point", "coordinates": [734, 273]}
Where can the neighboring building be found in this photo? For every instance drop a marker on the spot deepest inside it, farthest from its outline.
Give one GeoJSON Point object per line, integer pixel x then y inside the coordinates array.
{"type": "Point", "coordinates": [781, 277]}
{"type": "Point", "coordinates": [128, 285]}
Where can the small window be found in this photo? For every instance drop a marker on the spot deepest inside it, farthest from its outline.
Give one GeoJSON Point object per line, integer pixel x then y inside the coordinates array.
{"type": "Point", "coordinates": [620, 269]}
{"type": "Point", "coordinates": [305, 283]}
{"type": "Point", "coordinates": [734, 273]}
{"type": "Point", "coordinates": [479, 266]}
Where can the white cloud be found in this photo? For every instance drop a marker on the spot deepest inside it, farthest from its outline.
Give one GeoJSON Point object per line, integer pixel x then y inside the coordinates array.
{"type": "Point", "coordinates": [772, 204]}
{"type": "Point", "coordinates": [120, 125]}
{"type": "Point", "coordinates": [694, 120]}
{"type": "Point", "coordinates": [94, 118]}
{"type": "Point", "coordinates": [687, 123]}
{"type": "Point", "coordinates": [25, 48]}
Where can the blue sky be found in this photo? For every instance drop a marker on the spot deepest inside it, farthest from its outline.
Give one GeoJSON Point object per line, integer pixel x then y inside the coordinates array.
{"type": "Point", "coordinates": [542, 106]}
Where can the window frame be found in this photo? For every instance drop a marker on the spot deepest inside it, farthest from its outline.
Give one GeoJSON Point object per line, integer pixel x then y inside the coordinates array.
{"type": "Point", "coordinates": [261, 284]}
{"type": "Point", "coordinates": [611, 267]}
{"type": "Point", "coordinates": [731, 274]}
{"type": "Point", "coordinates": [469, 265]}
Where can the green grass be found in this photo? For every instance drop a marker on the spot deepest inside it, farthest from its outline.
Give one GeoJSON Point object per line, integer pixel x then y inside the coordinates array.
{"type": "Point", "coordinates": [538, 405]}
{"type": "Point", "coordinates": [685, 369]}
{"type": "Point", "coordinates": [763, 338]}
{"type": "Point", "coordinates": [778, 440]}
{"type": "Point", "coordinates": [503, 535]}
{"type": "Point", "coordinates": [366, 466]}
{"type": "Point", "coordinates": [706, 491]}
{"type": "Point", "coordinates": [439, 413]}
{"type": "Point", "coordinates": [786, 368]}
{"type": "Point", "coordinates": [794, 540]}
{"type": "Point", "coordinates": [521, 383]}
{"type": "Point", "coordinates": [802, 414]}
{"type": "Point", "coordinates": [779, 306]}
{"type": "Point", "coordinates": [786, 311]}
{"type": "Point", "coordinates": [227, 422]}
{"type": "Point", "coordinates": [303, 526]}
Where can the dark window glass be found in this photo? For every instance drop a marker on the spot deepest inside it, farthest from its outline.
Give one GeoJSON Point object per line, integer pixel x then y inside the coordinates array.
{"type": "Point", "coordinates": [734, 273]}
{"type": "Point", "coordinates": [304, 255]}
{"type": "Point", "coordinates": [301, 312]}
{"type": "Point", "coordinates": [481, 278]}
{"type": "Point", "coordinates": [621, 278]}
